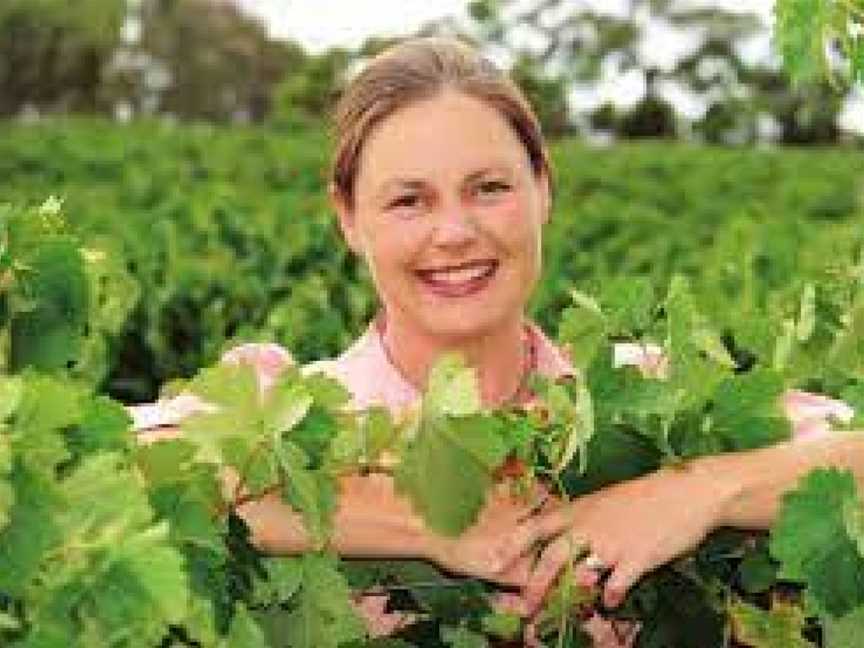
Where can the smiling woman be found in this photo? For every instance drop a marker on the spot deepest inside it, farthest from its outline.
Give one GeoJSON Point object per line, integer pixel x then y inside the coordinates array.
{"type": "Point", "coordinates": [441, 184]}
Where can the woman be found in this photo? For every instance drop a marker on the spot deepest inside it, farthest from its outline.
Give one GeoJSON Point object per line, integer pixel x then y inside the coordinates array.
{"type": "Point", "coordinates": [441, 183]}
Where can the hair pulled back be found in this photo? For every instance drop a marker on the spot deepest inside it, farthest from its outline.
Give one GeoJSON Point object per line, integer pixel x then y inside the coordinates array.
{"type": "Point", "coordinates": [417, 69]}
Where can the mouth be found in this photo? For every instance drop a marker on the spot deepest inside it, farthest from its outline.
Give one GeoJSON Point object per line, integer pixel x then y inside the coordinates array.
{"type": "Point", "coordinates": [459, 280]}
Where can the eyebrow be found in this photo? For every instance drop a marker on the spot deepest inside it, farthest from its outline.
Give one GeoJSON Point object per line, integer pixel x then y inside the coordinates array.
{"type": "Point", "coordinates": [417, 183]}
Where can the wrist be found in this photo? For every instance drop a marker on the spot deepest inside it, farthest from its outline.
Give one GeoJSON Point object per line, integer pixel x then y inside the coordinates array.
{"type": "Point", "coordinates": [373, 521]}
{"type": "Point", "coordinates": [729, 486]}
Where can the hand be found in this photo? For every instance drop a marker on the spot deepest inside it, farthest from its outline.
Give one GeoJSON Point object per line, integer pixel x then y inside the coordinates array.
{"type": "Point", "coordinates": [498, 547]}
{"type": "Point", "coordinates": [631, 527]}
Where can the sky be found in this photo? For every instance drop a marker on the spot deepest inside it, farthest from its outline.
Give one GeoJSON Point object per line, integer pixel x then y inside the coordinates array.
{"type": "Point", "coordinates": [321, 24]}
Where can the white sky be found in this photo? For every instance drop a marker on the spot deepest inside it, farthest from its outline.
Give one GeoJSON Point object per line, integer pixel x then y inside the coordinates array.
{"type": "Point", "coordinates": [321, 24]}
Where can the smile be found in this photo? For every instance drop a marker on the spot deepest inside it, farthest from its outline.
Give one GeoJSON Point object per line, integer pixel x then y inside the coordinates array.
{"type": "Point", "coordinates": [459, 280]}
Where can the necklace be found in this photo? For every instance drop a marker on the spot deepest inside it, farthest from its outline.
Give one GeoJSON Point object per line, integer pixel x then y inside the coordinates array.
{"type": "Point", "coordinates": [529, 360]}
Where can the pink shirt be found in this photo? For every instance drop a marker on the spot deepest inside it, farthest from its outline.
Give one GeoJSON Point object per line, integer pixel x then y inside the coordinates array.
{"type": "Point", "coordinates": [372, 379]}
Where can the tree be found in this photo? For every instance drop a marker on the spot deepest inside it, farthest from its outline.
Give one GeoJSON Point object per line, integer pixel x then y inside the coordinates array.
{"type": "Point", "coordinates": [53, 53]}
{"type": "Point", "coordinates": [583, 45]}
{"type": "Point", "coordinates": [308, 91]}
{"type": "Point", "coordinates": [219, 64]}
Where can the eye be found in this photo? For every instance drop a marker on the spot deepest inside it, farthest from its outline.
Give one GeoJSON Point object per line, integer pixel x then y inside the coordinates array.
{"type": "Point", "coordinates": [408, 200]}
{"type": "Point", "coordinates": [492, 187]}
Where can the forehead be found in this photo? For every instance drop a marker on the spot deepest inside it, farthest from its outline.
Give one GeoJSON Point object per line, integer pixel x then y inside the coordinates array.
{"type": "Point", "coordinates": [442, 139]}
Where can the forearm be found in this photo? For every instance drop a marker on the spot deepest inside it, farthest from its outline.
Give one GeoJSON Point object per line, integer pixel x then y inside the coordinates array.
{"type": "Point", "coordinates": [371, 521]}
{"type": "Point", "coordinates": [752, 484]}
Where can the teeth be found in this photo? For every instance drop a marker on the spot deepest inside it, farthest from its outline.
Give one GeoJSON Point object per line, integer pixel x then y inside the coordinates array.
{"type": "Point", "coordinates": [461, 275]}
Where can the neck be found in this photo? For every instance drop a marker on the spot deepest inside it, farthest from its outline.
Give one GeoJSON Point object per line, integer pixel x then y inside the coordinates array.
{"type": "Point", "coordinates": [498, 357]}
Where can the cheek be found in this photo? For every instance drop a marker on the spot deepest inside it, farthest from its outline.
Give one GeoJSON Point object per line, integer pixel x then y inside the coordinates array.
{"type": "Point", "coordinates": [387, 250]}
{"type": "Point", "coordinates": [512, 226]}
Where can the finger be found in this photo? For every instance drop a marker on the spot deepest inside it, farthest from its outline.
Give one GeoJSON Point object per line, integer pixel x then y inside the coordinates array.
{"type": "Point", "coordinates": [540, 500]}
{"type": "Point", "coordinates": [525, 539]}
{"type": "Point", "coordinates": [623, 577]}
{"type": "Point", "coordinates": [517, 574]}
{"type": "Point", "coordinates": [585, 577]}
{"type": "Point", "coordinates": [541, 527]}
{"type": "Point", "coordinates": [553, 559]}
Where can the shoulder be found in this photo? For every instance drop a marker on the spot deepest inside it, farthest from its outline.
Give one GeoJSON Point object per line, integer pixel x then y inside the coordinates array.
{"type": "Point", "coordinates": [364, 370]}
{"type": "Point", "coordinates": [267, 359]}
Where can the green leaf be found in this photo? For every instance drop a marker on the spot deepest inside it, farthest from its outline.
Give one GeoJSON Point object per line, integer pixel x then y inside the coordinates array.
{"type": "Point", "coordinates": [799, 34]}
{"type": "Point", "coordinates": [502, 625]}
{"type": "Point", "coordinates": [190, 504]}
{"type": "Point", "coordinates": [780, 628]}
{"type": "Point", "coordinates": [7, 500]}
{"type": "Point", "coordinates": [144, 587]}
{"type": "Point", "coordinates": [245, 632]}
{"type": "Point", "coordinates": [89, 513]}
{"type": "Point", "coordinates": [757, 572]}
{"type": "Point", "coordinates": [48, 334]}
{"type": "Point", "coordinates": [844, 632]}
{"type": "Point", "coordinates": [615, 454]}
{"type": "Point", "coordinates": [807, 314]}
{"type": "Point", "coordinates": [466, 450]}
{"type": "Point", "coordinates": [697, 358]}
{"type": "Point", "coordinates": [104, 426]}
{"type": "Point", "coordinates": [213, 433]}
{"type": "Point", "coordinates": [47, 406]}
{"type": "Point", "coordinates": [582, 330]}
{"type": "Point", "coordinates": [164, 462]}
{"type": "Point", "coordinates": [308, 491]}
{"type": "Point", "coordinates": [229, 386]}
{"type": "Point", "coordinates": [451, 389]}
{"type": "Point", "coordinates": [326, 391]}
{"type": "Point", "coordinates": [322, 616]}
{"type": "Point", "coordinates": [629, 305]}
{"type": "Point", "coordinates": [746, 412]}
{"type": "Point", "coordinates": [11, 391]}
{"type": "Point", "coordinates": [574, 412]}
{"type": "Point", "coordinates": [853, 520]}
{"type": "Point", "coordinates": [283, 579]}
{"type": "Point", "coordinates": [463, 638]}
{"type": "Point", "coordinates": [811, 541]}
{"type": "Point", "coordinates": [847, 352]}
{"type": "Point", "coordinates": [33, 530]}
{"type": "Point", "coordinates": [315, 434]}
{"type": "Point", "coordinates": [379, 433]}
{"type": "Point", "coordinates": [8, 622]}
{"type": "Point", "coordinates": [286, 405]}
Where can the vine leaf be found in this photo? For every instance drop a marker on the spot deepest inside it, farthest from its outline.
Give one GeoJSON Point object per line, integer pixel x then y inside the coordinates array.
{"type": "Point", "coordinates": [781, 627]}
{"type": "Point", "coordinates": [813, 545]}
{"type": "Point", "coordinates": [448, 466]}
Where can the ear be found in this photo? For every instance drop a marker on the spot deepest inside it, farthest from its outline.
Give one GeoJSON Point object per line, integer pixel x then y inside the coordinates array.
{"type": "Point", "coordinates": [347, 221]}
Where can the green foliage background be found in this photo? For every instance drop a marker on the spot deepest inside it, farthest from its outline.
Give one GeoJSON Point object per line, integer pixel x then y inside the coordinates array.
{"type": "Point", "coordinates": [228, 236]}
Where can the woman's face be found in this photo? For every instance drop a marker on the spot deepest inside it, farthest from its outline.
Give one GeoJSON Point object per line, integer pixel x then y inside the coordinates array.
{"type": "Point", "coordinates": [448, 216]}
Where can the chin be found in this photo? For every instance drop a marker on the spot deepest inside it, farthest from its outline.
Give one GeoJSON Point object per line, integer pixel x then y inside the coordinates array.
{"type": "Point", "coordinates": [457, 326]}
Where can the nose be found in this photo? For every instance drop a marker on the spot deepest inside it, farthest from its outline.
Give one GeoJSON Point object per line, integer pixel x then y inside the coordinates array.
{"type": "Point", "coordinates": [455, 226]}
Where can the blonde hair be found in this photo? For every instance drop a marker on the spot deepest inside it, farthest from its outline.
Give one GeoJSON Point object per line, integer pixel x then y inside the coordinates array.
{"type": "Point", "coordinates": [417, 69]}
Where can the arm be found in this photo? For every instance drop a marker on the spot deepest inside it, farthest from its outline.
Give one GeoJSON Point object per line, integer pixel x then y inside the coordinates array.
{"type": "Point", "coordinates": [638, 525]}
{"type": "Point", "coordinates": [370, 521]}
{"type": "Point", "coordinates": [755, 481]}
{"type": "Point", "coordinates": [373, 521]}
